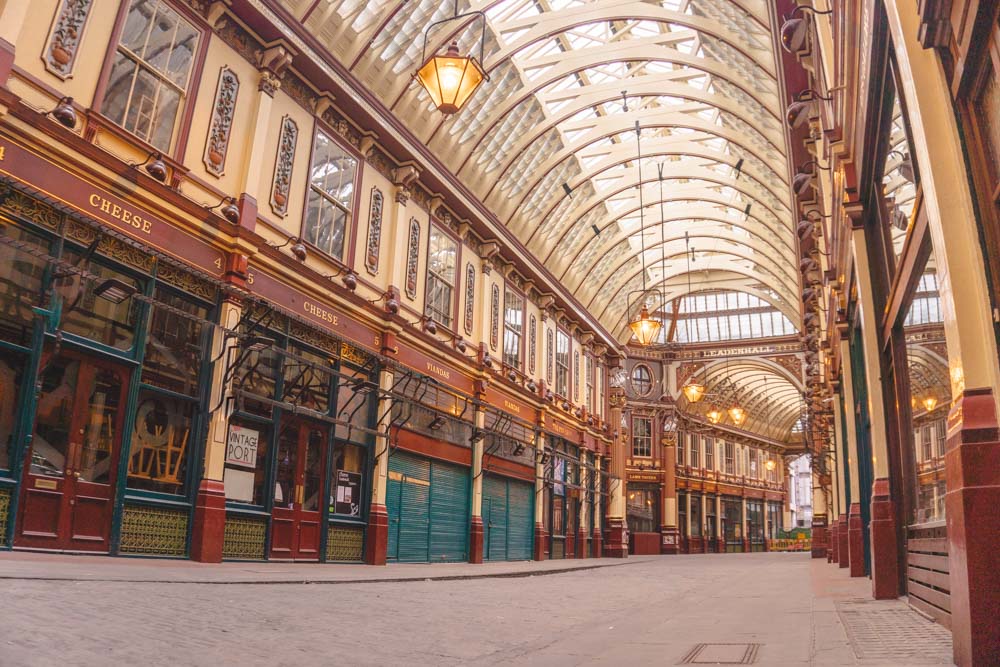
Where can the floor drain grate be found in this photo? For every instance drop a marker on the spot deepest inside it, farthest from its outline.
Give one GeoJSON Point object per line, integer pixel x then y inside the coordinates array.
{"type": "Point", "coordinates": [880, 633]}
{"type": "Point", "coordinates": [722, 654]}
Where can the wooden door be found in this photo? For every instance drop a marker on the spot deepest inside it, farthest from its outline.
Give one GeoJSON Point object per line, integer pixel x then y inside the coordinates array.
{"type": "Point", "coordinates": [68, 492]}
{"type": "Point", "coordinates": [299, 491]}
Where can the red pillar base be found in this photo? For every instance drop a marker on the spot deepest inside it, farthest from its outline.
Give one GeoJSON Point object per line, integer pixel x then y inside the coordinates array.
{"type": "Point", "coordinates": [833, 553]}
{"type": "Point", "coordinates": [581, 544]}
{"type": "Point", "coordinates": [476, 540]}
{"type": "Point", "coordinates": [720, 545]}
{"type": "Point", "coordinates": [972, 468]}
{"type": "Point", "coordinates": [378, 535]}
{"type": "Point", "coordinates": [617, 544]}
{"type": "Point", "coordinates": [820, 536]}
{"type": "Point", "coordinates": [598, 543]}
{"type": "Point", "coordinates": [541, 541]}
{"type": "Point", "coordinates": [843, 542]}
{"type": "Point", "coordinates": [885, 546]}
{"type": "Point", "coordinates": [856, 542]}
{"type": "Point", "coordinates": [209, 527]}
{"type": "Point", "coordinates": [670, 539]}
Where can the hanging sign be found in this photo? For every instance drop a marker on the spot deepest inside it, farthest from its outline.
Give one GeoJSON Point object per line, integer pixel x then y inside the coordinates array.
{"type": "Point", "coordinates": [241, 446]}
{"type": "Point", "coordinates": [347, 498]}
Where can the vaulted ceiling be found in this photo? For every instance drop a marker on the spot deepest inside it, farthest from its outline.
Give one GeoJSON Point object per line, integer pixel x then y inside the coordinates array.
{"type": "Point", "coordinates": [699, 77]}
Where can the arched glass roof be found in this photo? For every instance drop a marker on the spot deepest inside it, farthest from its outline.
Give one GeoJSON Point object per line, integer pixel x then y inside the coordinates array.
{"type": "Point", "coordinates": [701, 80]}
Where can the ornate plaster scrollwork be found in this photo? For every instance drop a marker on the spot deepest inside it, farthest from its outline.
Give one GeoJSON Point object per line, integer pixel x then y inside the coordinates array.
{"type": "Point", "coordinates": [64, 38]}
{"type": "Point", "coordinates": [222, 122]}
{"type": "Point", "coordinates": [412, 258]}
{"type": "Point", "coordinates": [495, 318]}
{"type": "Point", "coordinates": [283, 166]}
{"type": "Point", "coordinates": [470, 296]}
{"type": "Point", "coordinates": [374, 233]}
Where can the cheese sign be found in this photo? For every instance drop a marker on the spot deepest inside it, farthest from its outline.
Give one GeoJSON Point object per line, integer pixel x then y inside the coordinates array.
{"type": "Point", "coordinates": [241, 448]}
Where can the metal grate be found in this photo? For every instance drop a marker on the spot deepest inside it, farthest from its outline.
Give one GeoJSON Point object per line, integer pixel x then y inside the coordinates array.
{"type": "Point", "coordinates": [153, 531]}
{"type": "Point", "coordinates": [244, 538]}
{"type": "Point", "coordinates": [722, 654]}
{"type": "Point", "coordinates": [345, 543]}
{"type": "Point", "coordinates": [886, 630]}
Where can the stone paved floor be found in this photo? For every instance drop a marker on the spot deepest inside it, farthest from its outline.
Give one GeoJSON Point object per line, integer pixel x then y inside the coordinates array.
{"type": "Point", "coordinates": [779, 609]}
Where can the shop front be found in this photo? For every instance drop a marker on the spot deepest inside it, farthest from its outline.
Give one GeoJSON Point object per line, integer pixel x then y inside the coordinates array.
{"type": "Point", "coordinates": [508, 506]}
{"type": "Point", "coordinates": [299, 442]}
{"type": "Point", "coordinates": [642, 507]}
{"type": "Point", "coordinates": [114, 335]}
{"type": "Point", "coordinates": [562, 494]}
{"type": "Point", "coordinates": [711, 525]}
{"type": "Point", "coordinates": [755, 524]}
{"type": "Point", "coordinates": [732, 524]}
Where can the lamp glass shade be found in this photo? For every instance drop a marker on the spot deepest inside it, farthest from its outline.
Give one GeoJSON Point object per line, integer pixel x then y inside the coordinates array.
{"type": "Point", "coordinates": [693, 391]}
{"type": "Point", "coordinates": [450, 79]}
{"type": "Point", "coordinates": [770, 464]}
{"type": "Point", "coordinates": [645, 328]}
{"type": "Point", "coordinates": [737, 414]}
{"type": "Point", "coordinates": [930, 403]}
{"type": "Point", "coordinates": [714, 415]}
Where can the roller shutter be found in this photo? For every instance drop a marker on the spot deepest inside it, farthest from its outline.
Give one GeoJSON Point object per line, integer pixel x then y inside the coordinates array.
{"type": "Point", "coordinates": [449, 513]}
{"type": "Point", "coordinates": [508, 519]}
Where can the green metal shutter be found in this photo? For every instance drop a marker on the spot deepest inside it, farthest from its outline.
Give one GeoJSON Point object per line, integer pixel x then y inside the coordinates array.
{"type": "Point", "coordinates": [408, 505]}
{"type": "Point", "coordinates": [520, 520]}
{"type": "Point", "coordinates": [494, 518]}
{"type": "Point", "coordinates": [449, 513]}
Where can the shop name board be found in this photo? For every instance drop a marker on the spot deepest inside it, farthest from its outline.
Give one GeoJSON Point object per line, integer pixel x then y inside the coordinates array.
{"type": "Point", "coordinates": [563, 429]}
{"type": "Point", "coordinates": [442, 373]}
{"type": "Point", "coordinates": [643, 477]}
{"type": "Point", "coordinates": [319, 312]}
{"type": "Point", "coordinates": [54, 182]}
{"type": "Point", "coordinates": [424, 363]}
{"type": "Point", "coordinates": [512, 406]}
{"type": "Point", "coordinates": [128, 216]}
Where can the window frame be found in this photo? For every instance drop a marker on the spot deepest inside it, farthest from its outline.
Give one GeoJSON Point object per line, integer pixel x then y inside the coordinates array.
{"type": "Point", "coordinates": [647, 438]}
{"type": "Point", "coordinates": [561, 333]}
{"type": "Point", "coordinates": [351, 227]}
{"type": "Point", "coordinates": [510, 289]}
{"type": "Point", "coordinates": [185, 113]}
{"type": "Point", "coordinates": [632, 381]}
{"type": "Point", "coordinates": [455, 286]}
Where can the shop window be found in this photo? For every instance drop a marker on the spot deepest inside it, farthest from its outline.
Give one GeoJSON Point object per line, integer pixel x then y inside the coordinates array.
{"type": "Point", "coordinates": [161, 442]}
{"type": "Point", "coordinates": [332, 177]}
{"type": "Point", "coordinates": [562, 363]}
{"type": "Point", "coordinates": [442, 257]}
{"type": "Point", "coordinates": [175, 344]}
{"type": "Point", "coordinates": [348, 472]}
{"type": "Point", "coordinates": [306, 379]}
{"type": "Point", "coordinates": [642, 436]}
{"type": "Point", "coordinates": [11, 382]}
{"type": "Point", "coordinates": [355, 394]}
{"type": "Point", "coordinates": [91, 308]}
{"type": "Point", "coordinates": [696, 518]}
{"type": "Point", "coordinates": [642, 380]}
{"type": "Point", "coordinates": [513, 328]}
{"type": "Point", "coordinates": [246, 461]}
{"type": "Point", "coordinates": [257, 375]}
{"type": "Point", "coordinates": [641, 509]}
{"type": "Point", "coordinates": [21, 276]}
{"type": "Point", "coordinates": [148, 85]}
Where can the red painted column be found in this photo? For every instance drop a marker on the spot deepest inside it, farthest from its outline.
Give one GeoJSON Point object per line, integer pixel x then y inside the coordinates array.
{"type": "Point", "coordinates": [856, 541]}
{"type": "Point", "coordinates": [209, 527]}
{"type": "Point", "coordinates": [377, 543]}
{"type": "Point", "coordinates": [476, 540]}
{"type": "Point", "coordinates": [581, 542]}
{"type": "Point", "coordinates": [884, 543]}
{"type": "Point", "coordinates": [820, 536]}
{"type": "Point", "coordinates": [843, 542]}
{"type": "Point", "coordinates": [598, 543]}
{"type": "Point", "coordinates": [833, 553]}
{"type": "Point", "coordinates": [617, 546]}
{"type": "Point", "coordinates": [972, 512]}
{"type": "Point", "coordinates": [541, 540]}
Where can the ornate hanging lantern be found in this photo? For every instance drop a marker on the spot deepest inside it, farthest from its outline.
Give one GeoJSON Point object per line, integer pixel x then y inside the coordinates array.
{"type": "Point", "coordinates": [451, 78]}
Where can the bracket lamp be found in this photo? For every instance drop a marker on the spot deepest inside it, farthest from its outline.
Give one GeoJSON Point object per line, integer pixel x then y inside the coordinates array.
{"type": "Point", "coordinates": [114, 290]}
{"type": "Point", "coordinates": [64, 113]}
{"type": "Point", "coordinates": [228, 209]}
{"type": "Point", "coordinates": [154, 166]}
{"type": "Point", "coordinates": [449, 77]}
{"type": "Point", "coordinates": [795, 29]}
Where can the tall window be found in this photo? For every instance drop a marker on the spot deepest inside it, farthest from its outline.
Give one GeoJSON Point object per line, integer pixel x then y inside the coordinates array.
{"type": "Point", "coordinates": [695, 453]}
{"type": "Point", "coordinates": [681, 439]}
{"type": "Point", "coordinates": [588, 365]}
{"type": "Point", "coordinates": [441, 260]}
{"type": "Point", "coordinates": [151, 72]}
{"type": "Point", "coordinates": [562, 363]}
{"type": "Point", "coordinates": [940, 437]}
{"type": "Point", "coordinates": [730, 459]}
{"type": "Point", "coordinates": [642, 379]}
{"type": "Point", "coordinates": [513, 328]}
{"type": "Point", "coordinates": [642, 436]}
{"type": "Point", "coordinates": [709, 453]}
{"type": "Point", "coordinates": [928, 442]}
{"type": "Point", "coordinates": [753, 463]}
{"type": "Point", "coordinates": [331, 194]}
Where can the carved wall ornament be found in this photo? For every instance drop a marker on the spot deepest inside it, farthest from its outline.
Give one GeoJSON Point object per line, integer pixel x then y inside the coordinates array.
{"type": "Point", "coordinates": [532, 333]}
{"type": "Point", "coordinates": [283, 166]}
{"type": "Point", "coordinates": [576, 375]}
{"type": "Point", "coordinates": [412, 258]}
{"type": "Point", "coordinates": [374, 232]}
{"type": "Point", "coordinates": [470, 296]}
{"type": "Point", "coordinates": [222, 122]}
{"type": "Point", "coordinates": [65, 36]}
{"type": "Point", "coordinates": [495, 317]}
{"type": "Point", "coordinates": [549, 355]}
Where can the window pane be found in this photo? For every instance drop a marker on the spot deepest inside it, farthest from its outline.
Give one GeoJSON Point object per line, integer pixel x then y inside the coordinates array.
{"type": "Point", "coordinates": [160, 445]}
{"type": "Point", "coordinates": [97, 317]}
{"type": "Point", "coordinates": [174, 346]}
{"type": "Point", "coordinates": [20, 284]}
{"type": "Point", "coordinates": [12, 367]}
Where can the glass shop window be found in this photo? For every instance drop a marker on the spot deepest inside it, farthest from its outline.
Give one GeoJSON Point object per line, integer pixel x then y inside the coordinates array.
{"type": "Point", "coordinates": [348, 472]}
{"type": "Point", "coordinates": [12, 368]}
{"type": "Point", "coordinates": [151, 71]}
{"type": "Point", "coordinates": [258, 365]}
{"type": "Point", "coordinates": [355, 395]}
{"type": "Point", "coordinates": [513, 328]}
{"type": "Point", "coordinates": [332, 178]}
{"type": "Point", "coordinates": [562, 363]}
{"type": "Point", "coordinates": [307, 376]}
{"type": "Point", "coordinates": [642, 509]}
{"type": "Point", "coordinates": [101, 309]}
{"type": "Point", "coordinates": [161, 443]}
{"type": "Point", "coordinates": [442, 256]}
{"type": "Point", "coordinates": [696, 518]}
{"type": "Point", "coordinates": [642, 436]}
{"type": "Point", "coordinates": [21, 275]}
{"type": "Point", "coordinates": [246, 461]}
{"type": "Point", "coordinates": [175, 344]}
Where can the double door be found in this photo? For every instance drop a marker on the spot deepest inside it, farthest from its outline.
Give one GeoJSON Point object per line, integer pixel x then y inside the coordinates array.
{"type": "Point", "coordinates": [67, 497]}
{"type": "Point", "coordinates": [297, 514]}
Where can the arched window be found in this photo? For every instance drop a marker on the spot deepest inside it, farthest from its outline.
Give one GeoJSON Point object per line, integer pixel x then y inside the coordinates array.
{"type": "Point", "coordinates": [642, 380]}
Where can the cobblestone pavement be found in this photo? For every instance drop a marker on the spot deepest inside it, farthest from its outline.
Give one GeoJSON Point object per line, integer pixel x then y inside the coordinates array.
{"type": "Point", "coordinates": [778, 609]}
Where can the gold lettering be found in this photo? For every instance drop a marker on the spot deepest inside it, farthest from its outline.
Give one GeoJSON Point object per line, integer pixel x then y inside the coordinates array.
{"type": "Point", "coordinates": [105, 206]}
{"type": "Point", "coordinates": [95, 201]}
{"type": "Point", "coordinates": [3, 150]}
{"type": "Point", "coordinates": [437, 370]}
{"type": "Point", "coordinates": [514, 407]}
{"type": "Point", "coordinates": [118, 212]}
{"type": "Point", "coordinates": [320, 313]}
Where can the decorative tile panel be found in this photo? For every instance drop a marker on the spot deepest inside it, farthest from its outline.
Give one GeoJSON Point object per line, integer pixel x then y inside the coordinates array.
{"type": "Point", "coordinates": [64, 39]}
{"type": "Point", "coordinates": [283, 166]}
{"type": "Point", "coordinates": [345, 543]}
{"type": "Point", "coordinates": [576, 375]}
{"type": "Point", "coordinates": [412, 258]}
{"type": "Point", "coordinates": [28, 208]}
{"type": "Point", "coordinates": [244, 538]}
{"type": "Point", "coordinates": [495, 317]}
{"type": "Point", "coordinates": [374, 233]}
{"type": "Point", "coordinates": [470, 297]}
{"type": "Point", "coordinates": [532, 333]}
{"type": "Point", "coordinates": [222, 122]}
{"type": "Point", "coordinates": [154, 531]}
{"type": "Point", "coordinates": [549, 355]}
{"type": "Point", "coordinates": [4, 515]}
